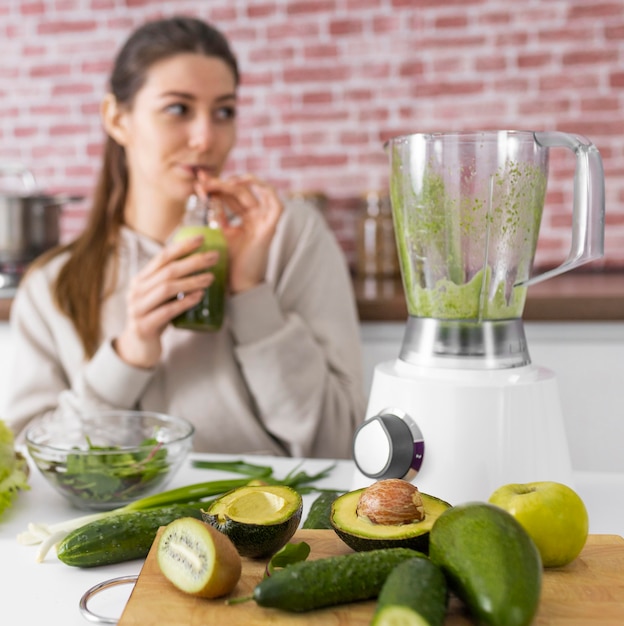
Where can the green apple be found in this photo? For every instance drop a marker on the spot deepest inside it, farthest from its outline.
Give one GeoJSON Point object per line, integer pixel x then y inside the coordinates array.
{"type": "Point", "coordinates": [553, 515]}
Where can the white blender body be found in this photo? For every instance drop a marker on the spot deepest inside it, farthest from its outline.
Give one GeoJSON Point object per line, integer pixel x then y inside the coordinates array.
{"type": "Point", "coordinates": [480, 430]}
{"type": "Point", "coordinates": [462, 410]}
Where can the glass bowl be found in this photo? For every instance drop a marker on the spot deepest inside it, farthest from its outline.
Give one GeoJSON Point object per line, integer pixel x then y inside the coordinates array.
{"type": "Point", "coordinates": [106, 459]}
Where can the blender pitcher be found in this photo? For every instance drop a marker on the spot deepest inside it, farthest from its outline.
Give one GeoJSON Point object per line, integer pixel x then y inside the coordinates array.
{"type": "Point", "coordinates": [467, 208]}
{"type": "Point", "coordinates": [463, 410]}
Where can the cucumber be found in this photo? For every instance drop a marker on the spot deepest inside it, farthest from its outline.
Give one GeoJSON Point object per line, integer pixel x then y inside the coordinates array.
{"type": "Point", "coordinates": [490, 562]}
{"type": "Point", "coordinates": [414, 594]}
{"type": "Point", "coordinates": [121, 537]}
{"type": "Point", "coordinates": [320, 511]}
{"type": "Point", "coordinates": [309, 585]}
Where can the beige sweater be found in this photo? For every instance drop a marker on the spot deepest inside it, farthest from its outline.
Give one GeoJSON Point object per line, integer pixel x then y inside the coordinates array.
{"type": "Point", "coordinates": [283, 376]}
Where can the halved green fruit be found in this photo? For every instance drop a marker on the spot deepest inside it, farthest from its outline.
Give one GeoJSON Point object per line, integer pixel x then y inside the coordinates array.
{"type": "Point", "coordinates": [360, 534]}
{"type": "Point", "coordinates": [197, 559]}
{"type": "Point", "coordinates": [259, 519]}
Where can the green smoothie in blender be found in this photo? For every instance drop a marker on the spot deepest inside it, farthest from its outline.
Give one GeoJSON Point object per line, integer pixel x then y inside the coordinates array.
{"type": "Point", "coordinates": [466, 239]}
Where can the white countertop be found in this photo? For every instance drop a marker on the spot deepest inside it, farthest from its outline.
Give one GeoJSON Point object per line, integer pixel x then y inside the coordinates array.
{"type": "Point", "coordinates": [48, 593]}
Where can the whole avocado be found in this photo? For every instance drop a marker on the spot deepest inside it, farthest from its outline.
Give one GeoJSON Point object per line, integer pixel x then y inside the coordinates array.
{"type": "Point", "coordinates": [490, 562]}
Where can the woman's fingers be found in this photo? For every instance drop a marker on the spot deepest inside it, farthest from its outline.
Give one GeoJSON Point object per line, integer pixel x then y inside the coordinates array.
{"type": "Point", "coordinates": [155, 320]}
{"type": "Point", "coordinates": [257, 210]}
{"type": "Point", "coordinates": [171, 252]}
{"type": "Point", "coordinates": [159, 283]}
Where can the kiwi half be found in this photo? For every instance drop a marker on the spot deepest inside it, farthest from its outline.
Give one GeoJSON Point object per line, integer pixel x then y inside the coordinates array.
{"type": "Point", "coordinates": [198, 559]}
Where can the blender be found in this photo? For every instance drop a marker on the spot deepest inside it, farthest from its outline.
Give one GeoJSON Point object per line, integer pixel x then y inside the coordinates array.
{"type": "Point", "coordinates": [463, 410]}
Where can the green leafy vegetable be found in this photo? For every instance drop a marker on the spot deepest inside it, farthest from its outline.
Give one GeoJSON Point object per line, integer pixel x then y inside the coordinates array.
{"type": "Point", "coordinates": [13, 469]}
{"type": "Point", "coordinates": [107, 475]}
{"type": "Point", "coordinates": [237, 467]}
{"type": "Point", "coordinates": [290, 553]}
{"type": "Point", "coordinates": [299, 480]}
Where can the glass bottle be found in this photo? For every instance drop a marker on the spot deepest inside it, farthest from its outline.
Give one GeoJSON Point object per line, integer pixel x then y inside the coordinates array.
{"type": "Point", "coordinates": [375, 244]}
{"type": "Point", "coordinates": [200, 217]}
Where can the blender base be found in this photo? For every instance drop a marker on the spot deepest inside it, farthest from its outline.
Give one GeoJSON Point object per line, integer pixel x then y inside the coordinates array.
{"type": "Point", "coordinates": [481, 430]}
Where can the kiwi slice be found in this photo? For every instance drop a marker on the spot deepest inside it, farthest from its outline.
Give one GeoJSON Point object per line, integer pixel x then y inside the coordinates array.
{"type": "Point", "coordinates": [198, 559]}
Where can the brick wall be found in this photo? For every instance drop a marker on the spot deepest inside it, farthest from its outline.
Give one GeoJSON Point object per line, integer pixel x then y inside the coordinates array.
{"type": "Point", "coordinates": [326, 81]}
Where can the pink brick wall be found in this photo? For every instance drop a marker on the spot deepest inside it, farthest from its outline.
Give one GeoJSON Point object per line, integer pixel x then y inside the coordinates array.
{"type": "Point", "coordinates": [326, 81]}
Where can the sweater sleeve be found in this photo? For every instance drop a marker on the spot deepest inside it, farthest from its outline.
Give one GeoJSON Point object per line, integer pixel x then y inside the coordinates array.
{"type": "Point", "coordinates": [50, 373]}
{"type": "Point", "coordinates": [298, 345]}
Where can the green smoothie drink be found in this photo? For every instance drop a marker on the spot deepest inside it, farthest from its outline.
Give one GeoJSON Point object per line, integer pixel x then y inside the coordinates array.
{"type": "Point", "coordinates": [208, 314]}
{"type": "Point", "coordinates": [467, 211]}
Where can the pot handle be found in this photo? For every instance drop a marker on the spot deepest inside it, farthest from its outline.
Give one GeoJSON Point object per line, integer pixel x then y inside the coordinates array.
{"type": "Point", "coordinates": [19, 170]}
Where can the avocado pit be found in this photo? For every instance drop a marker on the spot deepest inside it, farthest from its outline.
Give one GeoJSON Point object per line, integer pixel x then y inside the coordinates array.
{"type": "Point", "coordinates": [391, 501]}
{"type": "Point", "coordinates": [391, 513]}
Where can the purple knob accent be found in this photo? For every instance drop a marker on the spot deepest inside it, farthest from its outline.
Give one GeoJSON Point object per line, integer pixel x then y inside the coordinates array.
{"type": "Point", "coordinates": [419, 453]}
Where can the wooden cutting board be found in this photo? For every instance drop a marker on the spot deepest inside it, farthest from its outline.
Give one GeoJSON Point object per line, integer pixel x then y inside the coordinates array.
{"type": "Point", "coordinates": [588, 592]}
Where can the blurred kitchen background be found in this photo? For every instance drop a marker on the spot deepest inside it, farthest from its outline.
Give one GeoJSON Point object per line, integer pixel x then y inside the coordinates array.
{"type": "Point", "coordinates": [325, 82]}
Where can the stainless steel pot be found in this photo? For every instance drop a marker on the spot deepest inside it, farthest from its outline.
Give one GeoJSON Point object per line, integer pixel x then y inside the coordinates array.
{"type": "Point", "coordinates": [29, 219]}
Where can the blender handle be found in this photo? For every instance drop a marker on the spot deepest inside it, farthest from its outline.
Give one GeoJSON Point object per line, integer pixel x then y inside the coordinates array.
{"type": "Point", "coordinates": [588, 216]}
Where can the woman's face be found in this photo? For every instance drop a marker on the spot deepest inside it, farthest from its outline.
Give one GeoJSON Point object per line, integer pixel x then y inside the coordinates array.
{"type": "Point", "coordinates": [183, 118]}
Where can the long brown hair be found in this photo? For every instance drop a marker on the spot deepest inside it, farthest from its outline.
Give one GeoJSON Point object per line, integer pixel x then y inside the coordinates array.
{"type": "Point", "coordinates": [79, 289]}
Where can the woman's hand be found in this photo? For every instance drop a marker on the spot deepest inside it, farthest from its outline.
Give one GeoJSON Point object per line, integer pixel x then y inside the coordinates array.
{"type": "Point", "coordinates": [258, 209]}
{"type": "Point", "coordinates": [167, 286]}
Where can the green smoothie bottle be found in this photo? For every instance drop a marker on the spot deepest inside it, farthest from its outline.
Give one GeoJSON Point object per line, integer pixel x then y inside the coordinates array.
{"type": "Point", "coordinates": [200, 219]}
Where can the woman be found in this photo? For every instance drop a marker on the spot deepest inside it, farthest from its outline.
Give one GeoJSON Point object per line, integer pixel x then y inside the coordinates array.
{"type": "Point", "coordinates": [91, 320]}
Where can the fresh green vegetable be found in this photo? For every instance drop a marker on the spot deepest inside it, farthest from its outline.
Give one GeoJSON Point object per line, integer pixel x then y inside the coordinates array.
{"type": "Point", "coordinates": [414, 594]}
{"type": "Point", "coordinates": [299, 480]}
{"type": "Point", "coordinates": [310, 585]}
{"type": "Point", "coordinates": [287, 555]}
{"type": "Point", "coordinates": [258, 519]}
{"type": "Point", "coordinates": [236, 467]}
{"type": "Point", "coordinates": [489, 561]}
{"type": "Point", "coordinates": [188, 493]}
{"type": "Point", "coordinates": [48, 536]}
{"type": "Point", "coordinates": [13, 469]}
{"type": "Point", "coordinates": [120, 537]}
{"type": "Point", "coordinates": [109, 474]}
{"type": "Point", "coordinates": [320, 511]}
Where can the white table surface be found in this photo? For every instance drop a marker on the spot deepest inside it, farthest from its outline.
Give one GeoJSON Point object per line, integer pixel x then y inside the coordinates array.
{"type": "Point", "coordinates": [48, 593]}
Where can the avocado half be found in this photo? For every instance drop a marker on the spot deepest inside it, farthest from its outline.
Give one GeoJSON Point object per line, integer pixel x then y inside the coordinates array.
{"type": "Point", "coordinates": [360, 534]}
{"type": "Point", "coordinates": [259, 519]}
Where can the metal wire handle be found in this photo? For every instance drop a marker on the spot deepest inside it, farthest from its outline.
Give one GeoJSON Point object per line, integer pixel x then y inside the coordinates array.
{"type": "Point", "coordinates": [113, 582]}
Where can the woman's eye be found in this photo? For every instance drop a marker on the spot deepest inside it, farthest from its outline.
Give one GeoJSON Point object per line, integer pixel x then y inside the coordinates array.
{"type": "Point", "coordinates": [225, 113]}
{"type": "Point", "coordinates": [177, 108]}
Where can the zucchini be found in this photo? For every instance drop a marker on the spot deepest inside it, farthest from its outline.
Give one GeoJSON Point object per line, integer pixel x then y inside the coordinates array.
{"type": "Point", "coordinates": [320, 511]}
{"type": "Point", "coordinates": [414, 594]}
{"type": "Point", "coordinates": [121, 537]}
{"type": "Point", "coordinates": [309, 585]}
